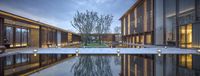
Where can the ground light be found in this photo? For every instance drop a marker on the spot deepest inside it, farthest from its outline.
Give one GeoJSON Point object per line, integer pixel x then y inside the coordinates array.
{"type": "Point", "coordinates": [118, 52]}
{"type": "Point", "coordinates": [198, 50]}
{"type": "Point", "coordinates": [159, 52]}
{"type": "Point", "coordinates": [77, 51]}
{"type": "Point", "coordinates": [35, 52]}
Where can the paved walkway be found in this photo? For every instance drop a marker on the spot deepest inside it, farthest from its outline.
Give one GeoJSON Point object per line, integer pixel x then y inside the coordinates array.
{"type": "Point", "coordinates": [106, 51]}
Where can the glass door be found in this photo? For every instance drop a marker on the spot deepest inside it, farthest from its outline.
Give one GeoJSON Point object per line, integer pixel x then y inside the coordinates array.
{"type": "Point", "coordinates": [186, 36]}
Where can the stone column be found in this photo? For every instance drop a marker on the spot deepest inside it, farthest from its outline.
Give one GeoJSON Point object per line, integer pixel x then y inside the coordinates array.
{"type": "Point", "coordinates": [2, 31]}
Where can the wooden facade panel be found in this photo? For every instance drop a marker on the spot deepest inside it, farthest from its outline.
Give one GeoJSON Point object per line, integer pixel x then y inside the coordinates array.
{"type": "Point", "coordinates": [126, 21]}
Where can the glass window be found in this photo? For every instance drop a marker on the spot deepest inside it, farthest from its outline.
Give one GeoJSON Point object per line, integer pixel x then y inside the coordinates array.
{"type": "Point", "coordinates": [182, 36]}
{"type": "Point", "coordinates": [18, 58]}
{"type": "Point", "coordinates": [140, 18]}
{"type": "Point", "coordinates": [24, 58]}
{"type": "Point", "coordinates": [149, 12]}
{"type": "Point", "coordinates": [9, 35]}
{"type": "Point", "coordinates": [69, 37]}
{"type": "Point", "coordinates": [159, 22]}
{"type": "Point", "coordinates": [189, 36]}
{"type": "Point", "coordinates": [9, 60]}
{"type": "Point", "coordinates": [186, 11]}
{"type": "Point", "coordinates": [170, 17]}
{"type": "Point", "coordinates": [133, 39]}
{"type": "Point", "coordinates": [44, 37]}
{"type": "Point", "coordinates": [135, 18]}
{"type": "Point", "coordinates": [132, 22]}
{"type": "Point", "coordinates": [186, 36]}
{"type": "Point", "coordinates": [18, 37]}
{"type": "Point", "coordinates": [198, 9]}
{"type": "Point", "coordinates": [137, 39]}
{"type": "Point", "coordinates": [142, 39]}
{"type": "Point", "coordinates": [24, 37]}
{"type": "Point", "coordinates": [148, 39]}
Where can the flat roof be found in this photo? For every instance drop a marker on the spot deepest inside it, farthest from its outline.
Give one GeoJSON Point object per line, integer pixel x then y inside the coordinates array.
{"type": "Point", "coordinates": [8, 14]}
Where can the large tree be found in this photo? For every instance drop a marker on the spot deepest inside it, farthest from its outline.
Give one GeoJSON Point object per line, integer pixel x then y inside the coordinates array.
{"type": "Point", "coordinates": [117, 29]}
{"type": "Point", "coordinates": [103, 25]}
{"type": "Point", "coordinates": [85, 23]}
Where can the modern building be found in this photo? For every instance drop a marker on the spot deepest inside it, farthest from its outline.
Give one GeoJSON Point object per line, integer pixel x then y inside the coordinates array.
{"type": "Point", "coordinates": [20, 32]}
{"type": "Point", "coordinates": [17, 32]}
{"type": "Point", "coordinates": [169, 23]}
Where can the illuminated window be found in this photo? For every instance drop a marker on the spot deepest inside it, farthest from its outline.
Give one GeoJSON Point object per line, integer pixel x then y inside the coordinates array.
{"type": "Point", "coordinates": [186, 36]}
{"type": "Point", "coordinates": [142, 39]}
{"type": "Point", "coordinates": [137, 39]}
{"type": "Point", "coordinates": [69, 37]}
{"type": "Point", "coordinates": [182, 36]}
{"type": "Point", "coordinates": [24, 37]}
{"type": "Point", "coordinates": [133, 39]}
{"type": "Point", "coordinates": [148, 39]}
{"type": "Point", "coordinates": [18, 37]}
{"type": "Point", "coordinates": [189, 36]}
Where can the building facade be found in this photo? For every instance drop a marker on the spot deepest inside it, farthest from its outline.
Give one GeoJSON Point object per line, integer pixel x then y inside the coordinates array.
{"type": "Point", "coordinates": [168, 23]}
{"type": "Point", "coordinates": [162, 22]}
{"type": "Point", "coordinates": [17, 32]}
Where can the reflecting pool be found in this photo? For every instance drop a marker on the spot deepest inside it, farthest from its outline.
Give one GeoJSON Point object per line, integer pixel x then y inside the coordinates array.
{"type": "Point", "coordinates": [100, 65]}
{"type": "Point", "coordinates": [85, 65]}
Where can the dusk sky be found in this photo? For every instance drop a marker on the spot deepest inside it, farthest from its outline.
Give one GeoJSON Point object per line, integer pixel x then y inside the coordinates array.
{"type": "Point", "coordinates": [60, 12]}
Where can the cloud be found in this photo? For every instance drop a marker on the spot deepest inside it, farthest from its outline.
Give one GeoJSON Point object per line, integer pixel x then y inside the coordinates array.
{"type": "Point", "coordinates": [60, 12]}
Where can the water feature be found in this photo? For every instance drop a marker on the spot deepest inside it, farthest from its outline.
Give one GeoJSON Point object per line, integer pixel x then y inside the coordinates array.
{"type": "Point", "coordinates": [101, 65]}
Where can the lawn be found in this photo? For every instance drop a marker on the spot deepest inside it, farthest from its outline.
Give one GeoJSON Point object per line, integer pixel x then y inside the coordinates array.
{"type": "Point", "coordinates": [96, 45]}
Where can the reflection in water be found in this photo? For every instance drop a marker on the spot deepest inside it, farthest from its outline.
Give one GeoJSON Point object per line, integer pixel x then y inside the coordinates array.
{"type": "Point", "coordinates": [124, 65]}
{"type": "Point", "coordinates": [92, 66]}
